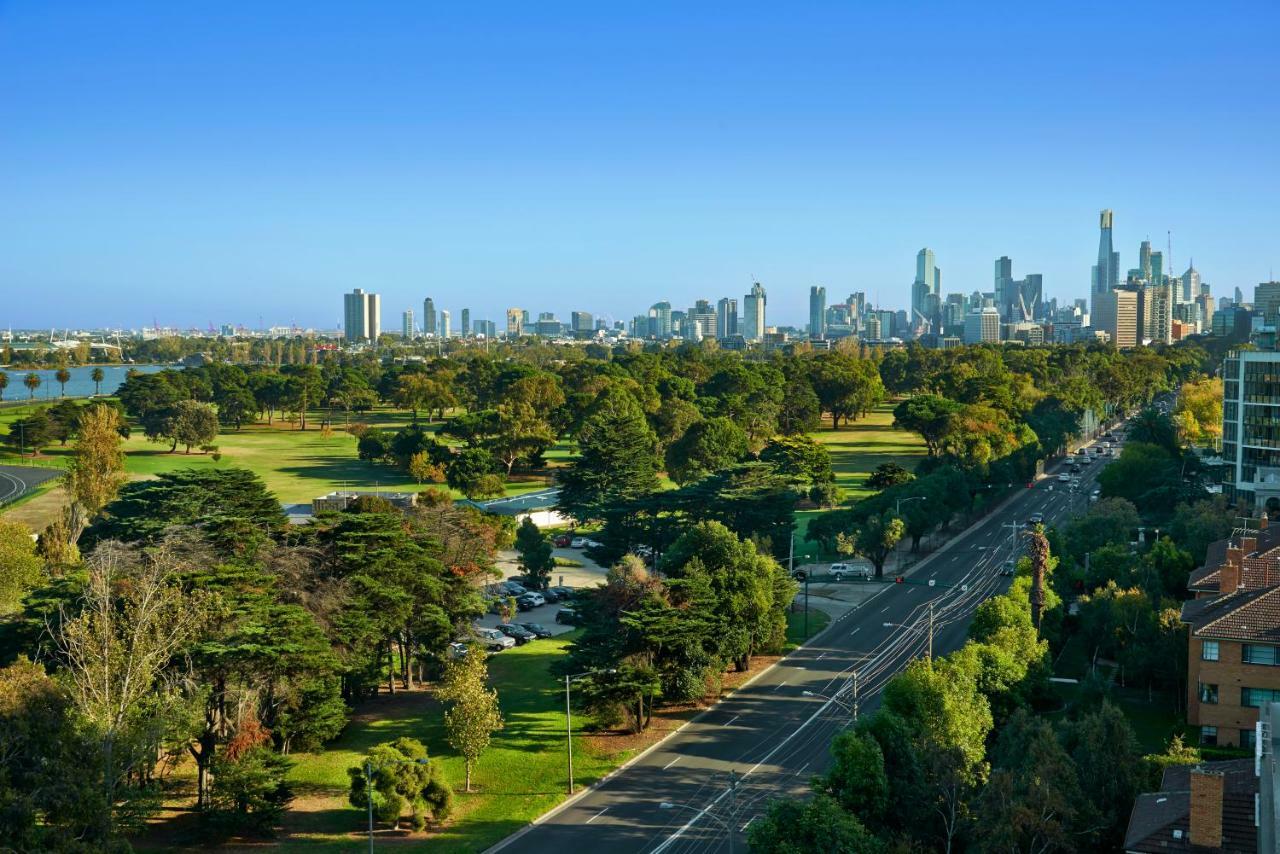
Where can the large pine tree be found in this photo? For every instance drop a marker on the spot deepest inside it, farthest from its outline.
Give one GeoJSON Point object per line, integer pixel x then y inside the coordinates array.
{"type": "Point", "coordinates": [617, 462]}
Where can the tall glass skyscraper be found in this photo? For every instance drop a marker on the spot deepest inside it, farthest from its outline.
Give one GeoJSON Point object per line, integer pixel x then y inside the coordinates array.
{"type": "Point", "coordinates": [928, 283]}
{"type": "Point", "coordinates": [428, 316]}
{"type": "Point", "coordinates": [817, 311]}
{"type": "Point", "coordinates": [753, 306]}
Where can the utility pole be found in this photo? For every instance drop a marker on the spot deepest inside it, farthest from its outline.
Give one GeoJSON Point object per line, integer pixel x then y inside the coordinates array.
{"type": "Point", "coordinates": [568, 730]}
{"type": "Point", "coordinates": [929, 654]}
{"type": "Point", "coordinates": [733, 805]}
{"type": "Point", "coordinates": [855, 696]}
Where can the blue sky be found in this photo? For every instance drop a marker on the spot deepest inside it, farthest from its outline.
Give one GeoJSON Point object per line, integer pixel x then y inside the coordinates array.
{"type": "Point", "coordinates": [199, 162]}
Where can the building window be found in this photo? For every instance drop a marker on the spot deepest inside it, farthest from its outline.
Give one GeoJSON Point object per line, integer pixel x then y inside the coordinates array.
{"type": "Point", "coordinates": [1255, 653]}
{"type": "Point", "coordinates": [1255, 697]}
{"type": "Point", "coordinates": [1208, 693]}
{"type": "Point", "coordinates": [1209, 735]}
{"type": "Point", "coordinates": [1209, 651]}
{"type": "Point", "coordinates": [1248, 738]}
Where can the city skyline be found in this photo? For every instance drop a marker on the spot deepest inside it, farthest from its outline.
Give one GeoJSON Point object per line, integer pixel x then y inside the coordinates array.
{"type": "Point", "coordinates": [484, 158]}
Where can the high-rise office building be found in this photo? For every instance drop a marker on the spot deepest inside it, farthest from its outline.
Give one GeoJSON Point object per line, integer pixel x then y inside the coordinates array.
{"type": "Point", "coordinates": [1266, 301]}
{"type": "Point", "coordinates": [465, 331]}
{"type": "Point", "coordinates": [1160, 318]}
{"type": "Point", "coordinates": [1106, 273]}
{"type": "Point", "coordinates": [726, 318]}
{"type": "Point", "coordinates": [581, 322]}
{"type": "Point", "coordinates": [1144, 261]}
{"type": "Point", "coordinates": [753, 313]}
{"type": "Point", "coordinates": [406, 324]}
{"type": "Point", "coordinates": [661, 314]}
{"type": "Point", "coordinates": [515, 322]}
{"type": "Point", "coordinates": [1116, 313]}
{"type": "Point", "coordinates": [428, 317]}
{"type": "Point", "coordinates": [361, 316]}
{"type": "Point", "coordinates": [982, 325]}
{"type": "Point", "coordinates": [1004, 288]}
{"type": "Point", "coordinates": [817, 311]}
{"type": "Point", "coordinates": [928, 281]}
{"type": "Point", "coordinates": [1190, 284]}
{"type": "Point", "coordinates": [444, 330]}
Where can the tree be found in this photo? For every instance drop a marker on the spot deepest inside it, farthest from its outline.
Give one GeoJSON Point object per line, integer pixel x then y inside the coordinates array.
{"type": "Point", "coordinates": [4, 383]}
{"type": "Point", "coordinates": [929, 415]}
{"type": "Point", "coordinates": [815, 826]}
{"type": "Point", "coordinates": [97, 375]}
{"type": "Point", "coordinates": [130, 621]}
{"type": "Point", "coordinates": [886, 475]}
{"type": "Point", "coordinates": [1198, 412]}
{"type": "Point", "coordinates": [192, 423]}
{"type": "Point", "coordinates": [473, 715]}
{"type": "Point", "coordinates": [470, 471]}
{"type": "Point", "coordinates": [422, 469]}
{"type": "Point", "coordinates": [617, 461]}
{"type": "Point", "coordinates": [536, 558]}
{"type": "Point", "coordinates": [800, 458]}
{"type": "Point", "coordinates": [250, 790]}
{"type": "Point", "coordinates": [801, 411]}
{"type": "Point", "coordinates": [1153, 427]}
{"type": "Point", "coordinates": [31, 433]}
{"type": "Point", "coordinates": [857, 778]}
{"type": "Point", "coordinates": [374, 445]}
{"type": "Point", "coordinates": [21, 568]}
{"type": "Point", "coordinates": [847, 387]}
{"type": "Point", "coordinates": [96, 472]}
{"type": "Point", "coordinates": [521, 433]}
{"type": "Point", "coordinates": [874, 537]}
{"type": "Point", "coordinates": [32, 382]}
{"type": "Point", "coordinates": [402, 777]}
{"type": "Point", "coordinates": [236, 404]}
{"type": "Point", "coordinates": [706, 447]}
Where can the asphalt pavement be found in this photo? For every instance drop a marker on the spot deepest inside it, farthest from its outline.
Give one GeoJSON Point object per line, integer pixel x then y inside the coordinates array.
{"type": "Point", "coordinates": [16, 480]}
{"type": "Point", "coordinates": [774, 733]}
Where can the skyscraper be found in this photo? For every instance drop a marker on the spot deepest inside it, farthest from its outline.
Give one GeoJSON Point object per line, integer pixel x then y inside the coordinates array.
{"type": "Point", "coordinates": [515, 322]}
{"type": "Point", "coordinates": [428, 316]}
{"type": "Point", "coordinates": [817, 311]}
{"type": "Point", "coordinates": [1106, 273]}
{"type": "Point", "coordinates": [753, 310]}
{"type": "Point", "coordinates": [661, 313]}
{"type": "Point", "coordinates": [1144, 260]}
{"type": "Point", "coordinates": [581, 322]}
{"type": "Point", "coordinates": [1115, 311]}
{"type": "Point", "coordinates": [406, 324]}
{"type": "Point", "coordinates": [361, 316]}
{"type": "Point", "coordinates": [466, 322]}
{"type": "Point", "coordinates": [928, 281]}
{"type": "Point", "coordinates": [726, 318]}
{"type": "Point", "coordinates": [444, 324]}
{"type": "Point", "coordinates": [1190, 283]}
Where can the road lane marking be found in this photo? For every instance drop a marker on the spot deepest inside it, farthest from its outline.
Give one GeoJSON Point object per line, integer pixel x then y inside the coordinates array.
{"type": "Point", "coordinates": [885, 608]}
{"type": "Point", "coordinates": [780, 684]}
{"type": "Point", "coordinates": [597, 815]}
{"type": "Point", "coordinates": [855, 631]}
{"type": "Point", "coordinates": [748, 824]}
{"type": "Point", "coordinates": [819, 658]}
{"type": "Point", "coordinates": [731, 720]}
{"type": "Point", "coordinates": [802, 767]}
{"type": "Point", "coordinates": [669, 764]}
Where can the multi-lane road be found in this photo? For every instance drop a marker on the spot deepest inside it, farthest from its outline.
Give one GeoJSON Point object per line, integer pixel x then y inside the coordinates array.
{"type": "Point", "coordinates": [774, 733]}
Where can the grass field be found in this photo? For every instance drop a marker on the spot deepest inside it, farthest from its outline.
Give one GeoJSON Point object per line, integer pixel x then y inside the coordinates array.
{"type": "Point", "coordinates": [858, 448]}
{"type": "Point", "coordinates": [818, 620]}
{"type": "Point", "coordinates": [296, 465]}
{"type": "Point", "coordinates": [520, 776]}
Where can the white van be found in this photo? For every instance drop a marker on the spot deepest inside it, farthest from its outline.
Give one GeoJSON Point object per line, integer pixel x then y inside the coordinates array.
{"type": "Point", "coordinates": [861, 569]}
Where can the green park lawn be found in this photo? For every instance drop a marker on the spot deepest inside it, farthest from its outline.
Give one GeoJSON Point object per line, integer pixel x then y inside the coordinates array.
{"type": "Point", "coordinates": [520, 776]}
{"type": "Point", "coordinates": [857, 448]}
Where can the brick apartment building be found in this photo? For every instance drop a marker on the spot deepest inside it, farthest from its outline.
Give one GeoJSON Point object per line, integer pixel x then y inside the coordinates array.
{"type": "Point", "coordinates": [1233, 655]}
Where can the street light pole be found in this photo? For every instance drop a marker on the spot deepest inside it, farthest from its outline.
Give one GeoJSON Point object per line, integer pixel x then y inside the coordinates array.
{"type": "Point", "coordinates": [568, 730]}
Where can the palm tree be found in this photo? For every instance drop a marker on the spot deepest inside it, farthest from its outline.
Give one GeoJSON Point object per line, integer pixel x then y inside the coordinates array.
{"type": "Point", "coordinates": [32, 382]}
{"type": "Point", "coordinates": [63, 376]}
{"type": "Point", "coordinates": [4, 383]}
{"type": "Point", "coordinates": [97, 376]}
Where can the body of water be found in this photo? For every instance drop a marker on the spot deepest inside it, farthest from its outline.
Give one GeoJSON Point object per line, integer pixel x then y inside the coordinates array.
{"type": "Point", "coordinates": [81, 384]}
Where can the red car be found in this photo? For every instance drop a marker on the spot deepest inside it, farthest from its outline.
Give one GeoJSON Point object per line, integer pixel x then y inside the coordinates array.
{"type": "Point", "coordinates": [561, 541]}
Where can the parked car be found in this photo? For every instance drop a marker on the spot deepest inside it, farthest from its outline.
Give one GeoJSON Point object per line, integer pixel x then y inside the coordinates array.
{"type": "Point", "coordinates": [549, 595]}
{"type": "Point", "coordinates": [493, 639]}
{"type": "Point", "coordinates": [841, 571]}
{"type": "Point", "coordinates": [563, 592]}
{"type": "Point", "coordinates": [519, 634]}
{"type": "Point", "coordinates": [531, 600]}
{"type": "Point", "coordinates": [537, 630]}
{"type": "Point", "coordinates": [561, 541]}
{"type": "Point", "coordinates": [514, 588]}
{"type": "Point", "coordinates": [1035, 519]}
{"type": "Point", "coordinates": [457, 650]}
{"type": "Point", "coordinates": [592, 544]}
{"type": "Point", "coordinates": [1008, 567]}
{"type": "Point", "coordinates": [799, 574]}
{"type": "Point", "coordinates": [578, 543]}
{"type": "Point", "coordinates": [567, 616]}
{"type": "Point", "coordinates": [1064, 478]}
